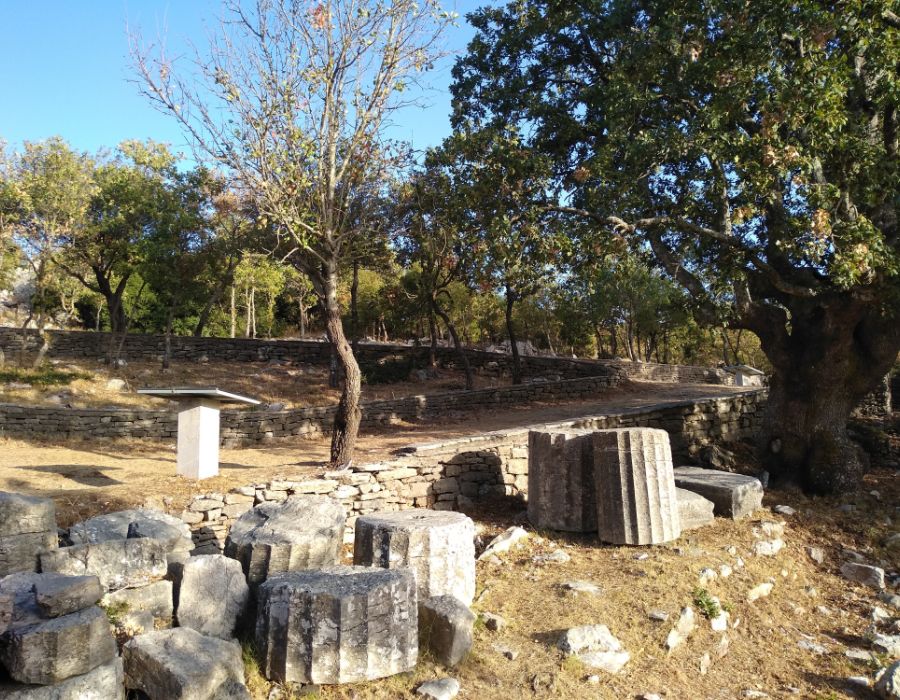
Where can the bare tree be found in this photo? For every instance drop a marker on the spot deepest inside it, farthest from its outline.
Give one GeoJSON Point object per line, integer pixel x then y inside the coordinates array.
{"type": "Point", "coordinates": [293, 99]}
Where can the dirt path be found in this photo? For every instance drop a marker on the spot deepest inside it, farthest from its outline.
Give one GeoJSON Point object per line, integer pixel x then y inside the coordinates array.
{"type": "Point", "coordinates": [89, 477]}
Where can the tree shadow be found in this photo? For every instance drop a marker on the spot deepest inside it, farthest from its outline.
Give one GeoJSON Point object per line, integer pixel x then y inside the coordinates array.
{"type": "Point", "coordinates": [79, 473]}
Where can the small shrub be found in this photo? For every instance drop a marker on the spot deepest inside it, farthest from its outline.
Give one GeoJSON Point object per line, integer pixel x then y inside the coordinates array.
{"type": "Point", "coordinates": [706, 603]}
{"type": "Point", "coordinates": [45, 376]}
{"type": "Point", "coordinates": [115, 611]}
{"type": "Point", "coordinates": [389, 370]}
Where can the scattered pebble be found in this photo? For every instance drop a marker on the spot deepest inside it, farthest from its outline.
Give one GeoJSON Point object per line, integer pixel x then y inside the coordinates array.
{"type": "Point", "coordinates": [760, 591]}
{"type": "Point", "coordinates": [641, 557]}
{"type": "Point", "coordinates": [812, 646]}
{"type": "Point", "coordinates": [705, 663]}
{"type": "Point", "coordinates": [725, 571]}
{"type": "Point", "coordinates": [686, 624]}
{"type": "Point", "coordinates": [768, 548]}
{"type": "Point", "coordinates": [707, 575]}
{"type": "Point", "coordinates": [658, 615]}
{"type": "Point", "coordinates": [817, 554]}
{"type": "Point", "coordinates": [784, 510]}
{"type": "Point", "coordinates": [504, 541]}
{"type": "Point", "coordinates": [493, 622]}
{"type": "Point", "coordinates": [439, 689]}
{"type": "Point", "coordinates": [582, 587]}
{"type": "Point", "coordinates": [556, 557]}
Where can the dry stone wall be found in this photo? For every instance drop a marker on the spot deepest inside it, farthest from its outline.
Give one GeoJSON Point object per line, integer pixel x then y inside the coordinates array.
{"type": "Point", "coordinates": [248, 427]}
{"type": "Point", "coordinates": [455, 474]}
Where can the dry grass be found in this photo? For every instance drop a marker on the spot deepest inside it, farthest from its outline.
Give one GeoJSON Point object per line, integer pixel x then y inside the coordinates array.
{"type": "Point", "coordinates": [297, 385]}
{"type": "Point", "coordinates": [761, 652]}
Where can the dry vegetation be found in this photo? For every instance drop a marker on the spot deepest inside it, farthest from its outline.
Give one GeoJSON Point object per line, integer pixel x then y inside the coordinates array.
{"type": "Point", "coordinates": [294, 385]}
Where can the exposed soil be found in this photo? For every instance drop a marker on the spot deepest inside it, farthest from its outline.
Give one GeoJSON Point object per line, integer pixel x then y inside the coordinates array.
{"type": "Point", "coordinates": [86, 477]}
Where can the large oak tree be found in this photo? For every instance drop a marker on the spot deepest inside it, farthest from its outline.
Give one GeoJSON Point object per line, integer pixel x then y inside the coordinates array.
{"type": "Point", "coordinates": [753, 147]}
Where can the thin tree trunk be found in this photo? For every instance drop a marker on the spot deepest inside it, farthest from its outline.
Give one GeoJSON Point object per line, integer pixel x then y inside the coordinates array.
{"type": "Point", "coordinates": [629, 337]}
{"type": "Point", "coordinates": [167, 352]}
{"type": "Point", "coordinates": [348, 415]}
{"type": "Point", "coordinates": [212, 301]}
{"type": "Point", "coordinates": [511, 334]}
{"type": "Point", "coordinates": [432, 331]}
{"type": "Point", "coordinates": [247, 320]}
{"type": "Point", "coordinates": [233, 312]}
{"type": "Point", "coordinates": [461, 351]}
{"type": "Point", "coordinates": [354, 307]}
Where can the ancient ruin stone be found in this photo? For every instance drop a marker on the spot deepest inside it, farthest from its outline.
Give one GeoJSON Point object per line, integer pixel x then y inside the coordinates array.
{"type": "Point", "coordinates": [106, 682]}
{"type": "Point", "coordinates": [439, 546]}
{"type": "Point", "coordinates": [117, 563]}
{"type": "Point", "coordinates": [734, 495]}
{"type": "Point", "coordinates": [561, 490]}
{"type": "Point", "coordinates": [136, 523]}
{"type": "Point", "coordinates": [636, 501]}
{"type": "Point", "coordinates": [27, 527]}
{"type": "Point", "coordinates": [153, 600]}
{"type": "Point", "coordinates": [182, 664]}
{"type": "Point", "coordinates": [51, 651]}
{"type": "Point", "coordinates": [342, 624]}
{"type": "Point", "coordinates": [694, 510]}
{"type": "Point", "coordinates": [213, 595]}
{"type": "Point", "coordinates": [867, 575]}
{"type": "Point", "coordinates": [61, 595]}
{"type": "Point", "coordinates": [303, 532]}
{"type": "Point", "coordinates": [445, 627]}
{"type": "Point", "coordinates": [887, 684]}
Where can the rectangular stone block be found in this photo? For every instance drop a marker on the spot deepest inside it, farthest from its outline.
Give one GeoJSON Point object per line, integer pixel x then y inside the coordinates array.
{"type": "Point", "coordinates": [733, 495]}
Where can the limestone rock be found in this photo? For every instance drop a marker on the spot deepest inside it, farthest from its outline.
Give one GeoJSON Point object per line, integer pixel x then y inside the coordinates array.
{"type": "Point", "coordinates": [213, 596]}
{"type": "Point", "coordinates": [27, 527]}
{"type": "Point", "coordinates": [106, 682]}
{"type": "Point", "coordinates": [439, 689]}
{"type": "Point", "coordinates": [694, 510]}
{"type": "Point", "coordinates": [302, 532]}
{"type": "Point", "coordinates": [636, 501]}
{"type": "Point", "coordinates": [182, 664]}
{"type": "Point", "coordinates": [888, 684]}
{"type": "Point", "coordinates": [61, 595]}
{"type": "Point", "coordinates": [596, 647]}
{"type": "Point", "coordinates": [561, 490]}
{"type": "Point", "coordinates": [117, 563]}
{"type": "Point", "coordinates": [686, 624]}
{"type": "Point", "coordinates": [154, 600]}
{"type": "Point", "coordinates": [439, 546]}
{"type": "Point", "coordinates": [445, 627]}
{"type": "Point", "coordinates": [768, 548]}
{"type": "Point", "coordinates": [503, 542]}
{"type": "Point", "coordinates": [136, 523]}
{"type": "Point", "coordinates": [872, 576]}
{"type": "Point", "coordinates": [760, 591]}
{"type": "Point", "coordinates": [733, 495]}
{"type": "Point", "coordinates": [341, 624]}
{"type": "Point", "coordinates": [51, 651]}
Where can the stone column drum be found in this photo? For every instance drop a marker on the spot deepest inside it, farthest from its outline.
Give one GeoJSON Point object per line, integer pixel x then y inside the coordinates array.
{"type": "Point", "coordinates": [636, 497]}
{"type": "Point", "coordinates": [439, 546]}
{"type": "Point", "coordinates": [561, 493]}
{"type": "Point", "coordinates": [27, 527]}
{"type": "Point", "coordinates": [303, 532]}
{"type": "Point", "coordinates": [341, 624]}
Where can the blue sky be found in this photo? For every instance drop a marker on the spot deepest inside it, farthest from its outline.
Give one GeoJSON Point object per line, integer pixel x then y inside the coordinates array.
{"type": "Point", "coordinates": [64, 70]}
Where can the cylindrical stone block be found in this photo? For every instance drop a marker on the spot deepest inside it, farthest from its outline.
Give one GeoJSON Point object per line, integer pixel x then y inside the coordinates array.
{"type": "Point", "coordinates": [561, 493]}
{"type": "Point", "coordinates": [27, 527]}
{"type": "Point", "coordinates": [303, 532]}
{"type": "Point", "coordinates": [636, 496]}
{"type": "Point", "coordinates": [342, 624]}
{"type": "Point", "coordinates": [439, 546]}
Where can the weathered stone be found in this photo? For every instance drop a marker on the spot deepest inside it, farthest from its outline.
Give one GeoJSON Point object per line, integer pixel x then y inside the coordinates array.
{"type": "Point", "coordinates": [733, 495]}
{"type": "Point", "coordinates": [117, 563]}
{"type": "Point", "coordinates": [760, 591]}
{"type": "Point", "coordinates": [155, 599]}
{"type": "Point", "coordinates": [872, 576]}
{"type": "Point", "coordinates": [687, 622]}
{"type": "Point", "coordinates": [439, 546]}
{"type": "Point", "coordinates": [693, 509]}
{"type": "Point", "coordinates": [888, 684]}
{"type": "Point", "coordinates": [341, 624]}
{"type": "Point", "coordinates": [182, 664]}
{"type": "Point", "coordinates": [636, 501]}
{"type": "Point", "coordinates": [27, 527]}
{"type": "Point", "coordinates": [136, 523]}
{"type": "Point", "coordinates": [61, 595]}
{"type": "Point", "coordinates": [595, 646]}
{"type": "Point", "coordinates": [439, 689]}
{"type": "Point", "coordinates": [53, 650]}
{"type": "Point", "coordinates": [503, 542]}
{"type": "Point", "coordinates": [445, 627]}
{"type": "Point", "coordinates": [213, 595]}
{"type": "Point", "coordinates": [20, 515]}
{"type": "Point", "coordinates": [561, 490]}
{"type": "Point", "coordinates": [303, 532]}
{"type": "Point", "coordinates": [106, 682]}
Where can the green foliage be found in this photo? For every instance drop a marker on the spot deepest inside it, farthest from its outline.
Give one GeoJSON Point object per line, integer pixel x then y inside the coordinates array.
{"type": "Point", "coordinates": [708, 606]}
{"type": "Point", "coordinates": [43, 376]}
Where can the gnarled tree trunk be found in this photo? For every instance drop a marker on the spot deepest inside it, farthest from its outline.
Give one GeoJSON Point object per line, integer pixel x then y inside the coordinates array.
{"type": "Point", "coordinates": [461, 351]}
{"type": "Point", "coordinates": [511, 334]}
{"type": "Point", "coordinates": [826, 358]}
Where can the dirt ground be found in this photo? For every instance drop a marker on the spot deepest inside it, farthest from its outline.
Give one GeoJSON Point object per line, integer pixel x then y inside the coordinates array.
{"type": "Point", "coordinates": [761, 650]}
{"type": "Point", "coordinates": [87, 477]}
{"type": "Point", "coordinates": [294, 385]}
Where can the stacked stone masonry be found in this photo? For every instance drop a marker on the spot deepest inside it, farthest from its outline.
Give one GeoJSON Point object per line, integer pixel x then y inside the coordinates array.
{"type": "Point", "coordinates": [453, 475]}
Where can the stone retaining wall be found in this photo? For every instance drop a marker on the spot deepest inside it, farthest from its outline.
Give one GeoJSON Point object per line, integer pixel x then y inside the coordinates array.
{"type": "Point", "coordinates": [454, 474]}
{"type": "Point", "coordinates": [248, 427]}
{"type": "Point", "coordinates": [79, 345]}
